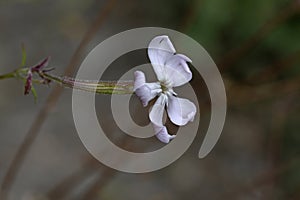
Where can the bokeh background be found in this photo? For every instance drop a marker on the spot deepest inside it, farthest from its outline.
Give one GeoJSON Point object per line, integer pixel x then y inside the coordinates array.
{"type": "Point", "coordinates": [256, 46]}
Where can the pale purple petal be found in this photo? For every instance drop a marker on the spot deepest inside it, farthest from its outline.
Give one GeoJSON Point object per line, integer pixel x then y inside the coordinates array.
{"type": "Point", "coordinates": [139, 79]}
{"type": "Point", "coordinates": [177, 70]}
{"type": "Point", "coordinates": [146, 94]}
{"type": "Point", "coordinates": [159, 51]}
{"type": "Point", "coordinates": [145, 91]}
{"type": "Point", "coordinates": [162, 134]}
{"type": "Point", "coordinates": [157, 111]}
{"type": "Point", "coordinates": [156, 117]}
{"type": "Point", "coordinates": [180, 111]}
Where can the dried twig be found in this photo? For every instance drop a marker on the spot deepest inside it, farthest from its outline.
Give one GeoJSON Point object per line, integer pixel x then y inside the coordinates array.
{"type": "Point", "coordinates": [61, 190]}
{"type": "Point", "coordinates": [50, 102]}
{"type": "Point", "coordinates": [238, 52]}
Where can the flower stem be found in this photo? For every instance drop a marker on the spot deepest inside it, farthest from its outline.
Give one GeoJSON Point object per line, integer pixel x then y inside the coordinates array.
{"type": "Point", "coordinates": [6, 76]}
{"type": "Point", "coordinates": [100, 87]}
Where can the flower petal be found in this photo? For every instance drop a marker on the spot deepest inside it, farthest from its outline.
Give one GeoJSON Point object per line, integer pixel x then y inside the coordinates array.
{"type": "Point", "coordinates": [156, 117]}
{"type": "Point", "coordinates": [145, 91]}
{"type": "Point", "coordinates": [162, 134]}
{"type": "Point", "coordinates": [146, 94]}
{"type": "Point", "coordinates": [157, 111]}
{"type": "Point", "coordinates": [180, 111]}
{"type": "Point", "coordinates": [159, 51]}
{"type": "Point", "coordinates": [139, 79]}
{"type": "Point", "coordinates": [177, 70]}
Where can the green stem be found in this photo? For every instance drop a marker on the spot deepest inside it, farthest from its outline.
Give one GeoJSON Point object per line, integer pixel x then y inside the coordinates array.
{"type": "Point", "coordinates": [9, 75]}
{"type": "Point", "coordinates": [100, 87]}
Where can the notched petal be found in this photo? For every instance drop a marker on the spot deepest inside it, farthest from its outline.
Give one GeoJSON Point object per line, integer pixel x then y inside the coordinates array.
{"type": "Point", "coordinates": [184, 58]}
{"type": "Point", "coordinates": [163, 43]}
{"type": "Point", "coordinates": [163, 135]}
{"type": "Point", "coordinates": [177, 70]}
{"type": "Point", "coordinates": [139, 79]}
{"type": "Point", "coordinates": [156, 118]}
{"type": "Point", "coordinates": [159, 51]}
{"type": "Point", "coordinates": [145, 91]}
{"type": "Point", "coordinates": [146, 94]}
{"type": "Point", "coordinates": [157, 111]}
{"type": "Point", "coordinates": [181, 111]}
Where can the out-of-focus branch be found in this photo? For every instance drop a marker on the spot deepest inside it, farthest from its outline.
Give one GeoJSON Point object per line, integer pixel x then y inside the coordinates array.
{"type": "Point", "coordinates": [262, 179]}
{"type": "Point", "coordinates": [52, 99]}
{"type": "Point", "coordinates": [68, 184]}
{"type": "Point", "coordinates": [189, 15]}
{"type": "Point", "coordinates": [103, 179]}
{"type": "Point", "coordinates": [240, 94]}
{"type": "Point", "coordinates": [269, 73]}
{"type": "Point", "coordinates": [61, 190]}
{"type": "Point", "coordinates": [238, 52]}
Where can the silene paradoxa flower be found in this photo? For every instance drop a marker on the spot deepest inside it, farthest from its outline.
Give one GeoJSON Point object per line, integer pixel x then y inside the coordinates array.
{"type": "Point", "coordinates": [171, 70]}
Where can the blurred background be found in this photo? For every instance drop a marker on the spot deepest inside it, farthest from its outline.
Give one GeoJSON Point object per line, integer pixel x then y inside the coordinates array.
{"type": "Point", "coordinates": [256, 46]}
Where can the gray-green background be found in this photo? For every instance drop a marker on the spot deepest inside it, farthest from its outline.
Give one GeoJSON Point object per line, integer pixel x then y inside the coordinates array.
{"type": "Point", "coordinates": [256, 46]}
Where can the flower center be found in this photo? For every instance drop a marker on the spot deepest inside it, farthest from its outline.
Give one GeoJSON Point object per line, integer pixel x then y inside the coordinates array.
{"type": "Point", "coordinates": [166, 87]}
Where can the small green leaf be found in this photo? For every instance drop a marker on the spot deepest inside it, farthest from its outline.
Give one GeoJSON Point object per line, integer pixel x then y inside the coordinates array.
{"type": "Point", "coordinates": [24, 56]}
{"type": "Point", "coordinates": [33, 91]}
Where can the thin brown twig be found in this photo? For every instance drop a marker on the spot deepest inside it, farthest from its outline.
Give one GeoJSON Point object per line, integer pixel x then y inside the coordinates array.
{"type": "Point", "coordinates": [64, 189]}
{"type": "Point", "coordinates": [49, 104]}
{"type": "Point", "coordinates": [269, 73]}
{"type": "Point", "coordinates": [108, 174]}
{"type": "Point", "coordinates": [261, 180]}
{"type": "Point", "coordinates": [52, 99]}
{"type": "Point", "coordinates": [278, 118]}
{"type": "Point", "coordinates": [295, 195]}
{"type": "Point", "coordinates": [189, 15]}
{"type": "Point", "coordinates": [103, 178]}
{"type": "Point", "coordinates": [281, 110]}
{"type": "Point", "coordinates": [61, 190]}
{"type": "Point", "coordinates": [238, 52]}
{"type": "Point", "coordinates": [68, 184]}
{"type": "Point", "coordinates": [239, 94]}
{"type": "Point", "coordinates": [100, 183]}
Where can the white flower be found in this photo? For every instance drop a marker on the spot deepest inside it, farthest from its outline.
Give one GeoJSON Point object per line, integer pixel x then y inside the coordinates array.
{"type": "Point", "coordinates": [171, 70]}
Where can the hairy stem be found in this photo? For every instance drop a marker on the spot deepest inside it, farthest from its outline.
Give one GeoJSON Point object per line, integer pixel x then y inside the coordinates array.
{"type": "Point", "coordinates": [6, 76]}
{"type": "Point", "coordinates": [100, 87]}
{"type": "Point", "coordinates": [10, 175]}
